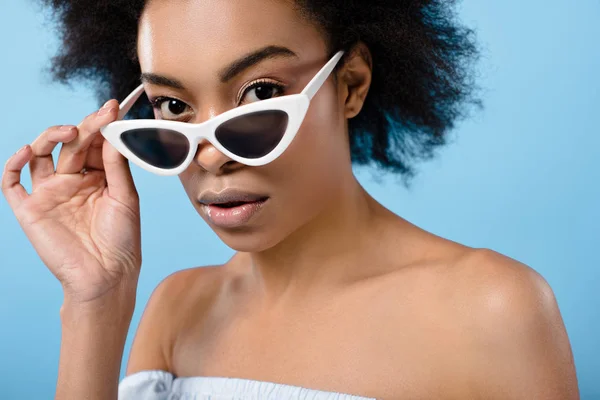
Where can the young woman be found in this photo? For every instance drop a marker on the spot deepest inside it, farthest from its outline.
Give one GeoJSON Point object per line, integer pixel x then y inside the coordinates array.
{"type": "Point", "coordinates": [329, 295]}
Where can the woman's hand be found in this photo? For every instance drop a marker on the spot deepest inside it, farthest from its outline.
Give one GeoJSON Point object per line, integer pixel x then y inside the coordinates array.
{"type": "Point", "coordinates": [85, 225]}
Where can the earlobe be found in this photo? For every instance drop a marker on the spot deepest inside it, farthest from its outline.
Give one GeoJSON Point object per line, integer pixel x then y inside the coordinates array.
{"type": "Point", "coordinates": [356, 75]}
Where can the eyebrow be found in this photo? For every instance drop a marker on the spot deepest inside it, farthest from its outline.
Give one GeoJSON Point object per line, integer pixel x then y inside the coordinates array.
{"type": "Point", "coordinates": [249, 60]}
{"type": "Point", "coordinates": [155, 79]}
{"type": "Point", "coordinates": [230, 71]}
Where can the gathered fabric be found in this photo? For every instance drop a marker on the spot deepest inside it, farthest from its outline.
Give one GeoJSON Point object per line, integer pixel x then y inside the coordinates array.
{"type": "Point", "coordinates": [162, 385]}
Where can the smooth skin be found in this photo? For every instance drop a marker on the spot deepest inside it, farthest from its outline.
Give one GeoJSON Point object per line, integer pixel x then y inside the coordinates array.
{"type": "Point", "coordinates": [329, 290]}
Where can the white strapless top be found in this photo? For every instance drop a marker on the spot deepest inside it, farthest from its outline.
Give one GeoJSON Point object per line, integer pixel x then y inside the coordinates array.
{"type": "Point", "coordinates": [162, 385]}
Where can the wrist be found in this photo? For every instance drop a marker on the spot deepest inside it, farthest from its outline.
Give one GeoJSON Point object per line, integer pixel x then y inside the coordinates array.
{"type": "Point", "coordinates": [115, 305]}
{"type": "Point", "coordinates": [92, 344]}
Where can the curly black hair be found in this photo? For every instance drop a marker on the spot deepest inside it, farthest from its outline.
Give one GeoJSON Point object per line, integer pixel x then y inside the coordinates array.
{"type": "Point", "coordinates": [423, 60]}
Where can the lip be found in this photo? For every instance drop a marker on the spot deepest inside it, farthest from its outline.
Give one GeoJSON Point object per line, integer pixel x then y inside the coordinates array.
{"type": "Point", "coordinates": [229, 196]}
{"type": "Point", "coordinates": [213, 205]}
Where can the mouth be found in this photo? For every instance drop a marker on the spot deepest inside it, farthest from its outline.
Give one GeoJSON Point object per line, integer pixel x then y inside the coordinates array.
{"type": "Point", "coordinates": [234, 204]}
{"type": "Point", "coordinates": [231, 208]}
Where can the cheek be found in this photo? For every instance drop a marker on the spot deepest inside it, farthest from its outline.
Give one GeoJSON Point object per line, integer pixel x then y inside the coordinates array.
{"type": "Point", "coordinates": [322, 141]}
{"type": "Point", "coordinates": [318, 158]}
{"type": "Point", "coordinates": [189, 182]}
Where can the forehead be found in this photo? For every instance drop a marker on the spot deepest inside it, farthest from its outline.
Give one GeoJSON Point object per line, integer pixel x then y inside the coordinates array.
{"type": "Point", "coordinates": [207, 34]}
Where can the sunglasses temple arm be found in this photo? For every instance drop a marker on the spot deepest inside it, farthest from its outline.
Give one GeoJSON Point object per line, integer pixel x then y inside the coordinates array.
{"type": "Point", "coordinates": [315, 84]}
{"type": "Point", "coordinates": [129, 101]}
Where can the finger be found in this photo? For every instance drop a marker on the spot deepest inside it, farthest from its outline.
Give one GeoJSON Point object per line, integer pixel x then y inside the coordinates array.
{"type": "Point", "coordinates": [118, 177]}
{"type": "Point", "coordinates": [12, 189]}
{"type": "Point", "coordinates": [94, 157]}
{"type": "Point", "coordinates": [41, 165]}
{"type": "Point", "coordinates": [73, 155]}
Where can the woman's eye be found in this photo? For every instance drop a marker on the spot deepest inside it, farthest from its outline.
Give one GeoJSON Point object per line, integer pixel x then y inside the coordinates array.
{"type": "Point", "coordinates": [170, 108]}
{"type": "Point", "coordinates": [261, 91]}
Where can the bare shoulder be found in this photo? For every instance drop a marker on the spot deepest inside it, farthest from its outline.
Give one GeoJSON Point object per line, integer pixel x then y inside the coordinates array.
{"type": "Point", "coordinates": [513, 328]}
{"type": "Point", "coordinates": [501, 285]}
{"type": "Point", "coordinates": [499, 298]}
{"type": "Point", "coordinates": [489, 324]}
{"type": "Point", "coordinates": [161, 319]}
{"type": "Point", "coordinates": [479, 288]}
{"type": "Point", "coordinates": [185, 286]}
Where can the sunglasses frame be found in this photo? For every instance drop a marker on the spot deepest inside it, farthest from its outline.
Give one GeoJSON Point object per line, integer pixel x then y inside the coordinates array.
{"type": "Point", "coordinates": [294, 105]}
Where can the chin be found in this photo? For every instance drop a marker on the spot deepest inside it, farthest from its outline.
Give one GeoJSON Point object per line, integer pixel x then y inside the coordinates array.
{"type": "Point", "coordinates": [260, 233]}
{"type": "Point", "coordinates": [248, 240]}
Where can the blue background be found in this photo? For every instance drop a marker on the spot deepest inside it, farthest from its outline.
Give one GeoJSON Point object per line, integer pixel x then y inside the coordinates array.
{"type": "Point", "coordinates": [520, 177]}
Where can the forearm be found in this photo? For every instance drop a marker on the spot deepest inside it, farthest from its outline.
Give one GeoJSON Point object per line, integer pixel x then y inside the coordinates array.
{"type": "Point", "coordinates": [93, 339]}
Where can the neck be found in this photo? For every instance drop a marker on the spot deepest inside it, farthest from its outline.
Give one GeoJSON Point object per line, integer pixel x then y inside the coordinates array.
{"type": "Point", "coordinates": [323, 253]}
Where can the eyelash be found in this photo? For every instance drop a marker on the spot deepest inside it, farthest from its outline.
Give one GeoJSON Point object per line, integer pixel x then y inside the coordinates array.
{"type": "Point", "coordinates": [262, 82]}
{"type": "Point", "coordinates": [156, 102]}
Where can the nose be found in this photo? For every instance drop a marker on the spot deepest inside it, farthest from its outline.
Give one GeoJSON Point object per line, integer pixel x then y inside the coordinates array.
{"type": "Point", "coordinates": [209, 158]}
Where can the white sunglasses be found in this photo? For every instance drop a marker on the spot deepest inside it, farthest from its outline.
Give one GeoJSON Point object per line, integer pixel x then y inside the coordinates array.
{"type": "Point", "coordinates": [253, 134]}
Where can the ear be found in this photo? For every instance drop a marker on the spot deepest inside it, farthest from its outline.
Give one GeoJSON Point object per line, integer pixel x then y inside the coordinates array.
{"type": "Point", "coordinates": [355, 78]}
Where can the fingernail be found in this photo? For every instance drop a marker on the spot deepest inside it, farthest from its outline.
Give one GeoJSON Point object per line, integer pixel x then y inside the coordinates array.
{"type": "Point", "coordinates": [22, 149]}
{"type": "Point", "coordinates": [66, 128]}
{"type": "Point", "coordinates": [106, 104]}
{"type": "Point", "coordinates": [104, 111]}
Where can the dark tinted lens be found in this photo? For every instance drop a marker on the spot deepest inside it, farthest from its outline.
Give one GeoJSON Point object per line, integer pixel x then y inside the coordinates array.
{"type": "Point", "coordinates": [162, 148]}
{"type": "Point", "coordinates": [253, 135]}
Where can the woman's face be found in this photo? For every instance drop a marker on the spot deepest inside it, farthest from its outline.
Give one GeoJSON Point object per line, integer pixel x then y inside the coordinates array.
{"type": "Point", "coordinates": [192, 43]}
